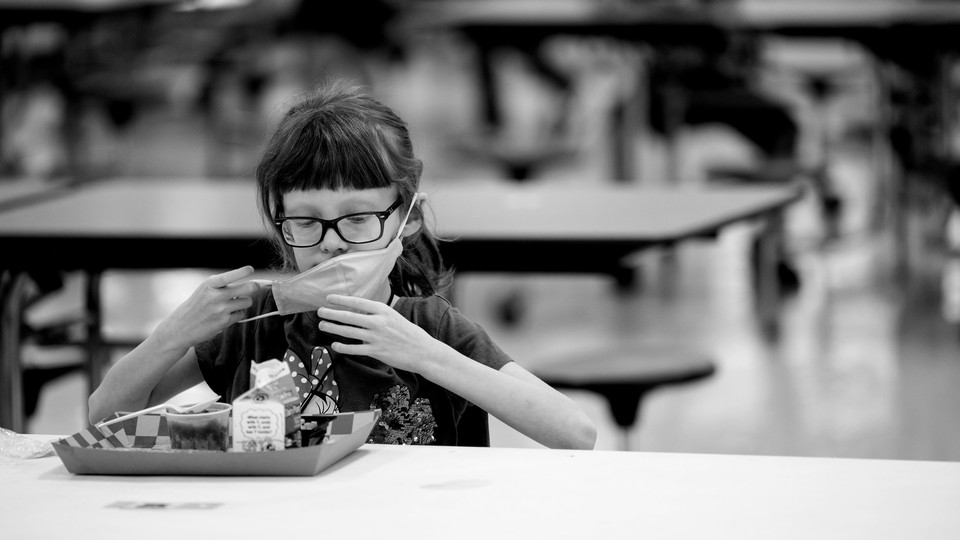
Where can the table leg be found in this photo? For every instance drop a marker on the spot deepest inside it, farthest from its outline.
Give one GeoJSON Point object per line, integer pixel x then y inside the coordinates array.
{"type": "Point", "coordinates": [11, 376]}
{"type": "Point", "coordinates": [768, 284]}
{"type": "Point", "coordinates": [621, 142]}
{"type": "Point", "coordinates": [96, 352]}
{"type": "Point", "coordinates": [490, 102]}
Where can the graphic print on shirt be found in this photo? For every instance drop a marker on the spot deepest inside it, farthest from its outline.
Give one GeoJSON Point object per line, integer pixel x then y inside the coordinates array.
{"type": "Point", "coordinates": [315, 383]}
{"type": "Point", "coordinates": [400, 421]}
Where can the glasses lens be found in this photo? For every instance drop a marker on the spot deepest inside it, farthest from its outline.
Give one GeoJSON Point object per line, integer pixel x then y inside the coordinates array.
{"type": "Point", "coordinates": [357, 229]}
{"type": "Point", "coordinates": [301, 232]}
{"type": "Point", "coordinates": [360, 228]}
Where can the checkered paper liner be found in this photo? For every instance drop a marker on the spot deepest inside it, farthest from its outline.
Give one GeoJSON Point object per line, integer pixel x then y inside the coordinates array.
{"type": "Point", "coordinates": [150, 431]}
{"type": "Point", "coordinates": [144, 431]}
{"type": "Point", "coordinates": [344, 424]}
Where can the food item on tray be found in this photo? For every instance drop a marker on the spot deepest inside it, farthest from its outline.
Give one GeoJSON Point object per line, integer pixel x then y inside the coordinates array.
{"type": "Point", "coordinates": [208, 429]}
{"type": "Point", "coordinates": [314, 429]}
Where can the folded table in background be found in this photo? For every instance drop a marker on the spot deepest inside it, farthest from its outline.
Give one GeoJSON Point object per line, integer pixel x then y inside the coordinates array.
{"type": "Point", "coordinates": [493, 227]}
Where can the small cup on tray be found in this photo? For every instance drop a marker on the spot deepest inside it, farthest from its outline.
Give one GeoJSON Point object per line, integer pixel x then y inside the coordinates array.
{"type": "Point", "coordinates": [208, 429]}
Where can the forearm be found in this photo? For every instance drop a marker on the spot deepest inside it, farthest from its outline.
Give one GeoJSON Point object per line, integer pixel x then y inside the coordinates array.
{"type": "Point", "coordinates": [147, 374]}
{"type": "Point", "coordinates": [512, 394]}
{"type": "Point", "coordinates": [529, 406]}
{"type": "Point", "coordinates": [130, 383]}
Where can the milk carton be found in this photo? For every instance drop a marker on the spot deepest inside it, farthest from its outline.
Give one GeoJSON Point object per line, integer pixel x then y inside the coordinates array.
{"type": "Point", "coordinates": [267, 417]}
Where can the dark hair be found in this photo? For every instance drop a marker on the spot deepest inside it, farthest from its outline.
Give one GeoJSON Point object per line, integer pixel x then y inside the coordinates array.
{"type": "Point", "coordinates": [338, 137]}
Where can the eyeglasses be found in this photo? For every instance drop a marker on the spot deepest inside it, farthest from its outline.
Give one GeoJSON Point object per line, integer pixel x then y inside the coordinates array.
{"type": "Point", "coordinates": [359, 228]}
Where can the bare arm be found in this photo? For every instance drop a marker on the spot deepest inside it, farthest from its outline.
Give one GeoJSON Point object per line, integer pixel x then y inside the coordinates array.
{"type": "Point", "coordinates": [515, 396]}
{"type": "Point", "coordinates": [148, 375]}
{"type": "Point", "coordinates": [512, 394]}
{"type": "Point", "coordinates": [165, 363]}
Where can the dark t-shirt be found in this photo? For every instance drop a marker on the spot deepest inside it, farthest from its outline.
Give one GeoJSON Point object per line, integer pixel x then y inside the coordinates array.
{"type": "Point", "coordinates": [414, 410]}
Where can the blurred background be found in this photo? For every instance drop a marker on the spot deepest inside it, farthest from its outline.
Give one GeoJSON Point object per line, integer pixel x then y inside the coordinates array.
{"type": "Point", "coordinates": [853, 101]}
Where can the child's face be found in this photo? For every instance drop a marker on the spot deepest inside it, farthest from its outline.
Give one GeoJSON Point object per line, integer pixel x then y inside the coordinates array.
{"type": "Point", "coordinates": [331, 204]}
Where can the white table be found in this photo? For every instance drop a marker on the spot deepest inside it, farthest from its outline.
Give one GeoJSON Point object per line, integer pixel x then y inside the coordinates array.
{"type": "Point", "coordinates": [448, 492]}
{"type": "Point", "coordinates": [22, 192]}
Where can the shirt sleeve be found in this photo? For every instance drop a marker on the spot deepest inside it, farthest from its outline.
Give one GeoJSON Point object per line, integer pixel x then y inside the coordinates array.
{"type": "Point", "coordinates": [224, 359]}
{"type": "Point", "coordinates": [468, 337]}
{"type": "Point", "coordinates": [211, 365]}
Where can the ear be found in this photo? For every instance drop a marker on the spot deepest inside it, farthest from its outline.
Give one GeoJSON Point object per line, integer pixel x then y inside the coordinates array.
{"type": "Point", "coordinates": [414, 222]}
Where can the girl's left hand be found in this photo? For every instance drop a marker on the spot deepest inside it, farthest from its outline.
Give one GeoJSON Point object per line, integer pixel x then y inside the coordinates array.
{"type": "Point", "coordinates": [383, 333]}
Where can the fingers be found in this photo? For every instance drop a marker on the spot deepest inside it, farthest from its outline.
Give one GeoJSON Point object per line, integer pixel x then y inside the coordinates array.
{"type": "Point", "coordinates": [222, 280]}
{"type": "Point", "coordinates": [247, 289]}
{"type": "Point", "coordinates": [355, 303]}
{"type": "Point", "coordinates": [343, 330]}
{"type": "Point", "coordinates": [359, 349]}
{"type": "Point", "coordinates": [239, 303]}
{"type": "Point", "coordinates": [346, 317]}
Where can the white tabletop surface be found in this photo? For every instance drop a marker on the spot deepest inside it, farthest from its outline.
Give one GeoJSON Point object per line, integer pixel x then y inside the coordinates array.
{"type": "Point", "coordinates": [224, 209]}
{"type": "Point", "coordinates": [21, 192]}
{"type": "Point", "coordinates": [754, 14]}
{"type": "Point", "coordinates": [502, 493]}
{"type": "Point", "coordinates": [81, 6]}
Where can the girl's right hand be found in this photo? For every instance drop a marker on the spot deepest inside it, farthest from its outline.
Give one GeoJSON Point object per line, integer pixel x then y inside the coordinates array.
{"type": "Point", "coordinates": [216, 304]}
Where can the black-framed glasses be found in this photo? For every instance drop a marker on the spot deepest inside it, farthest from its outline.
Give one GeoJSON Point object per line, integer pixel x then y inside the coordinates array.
{"type": "Point", "coordinates": [358, 228]}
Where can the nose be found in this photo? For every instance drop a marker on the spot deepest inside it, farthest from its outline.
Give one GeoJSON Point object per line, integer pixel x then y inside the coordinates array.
{"type": "Point", "coordinates": [331, 242]}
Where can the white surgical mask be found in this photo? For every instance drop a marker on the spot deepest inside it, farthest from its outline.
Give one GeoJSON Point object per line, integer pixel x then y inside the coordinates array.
{"type": "Point", "coordinates": [361, 274]}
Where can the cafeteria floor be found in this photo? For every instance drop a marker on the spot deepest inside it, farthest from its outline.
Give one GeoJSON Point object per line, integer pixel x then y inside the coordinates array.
{"type": "Point", "coordinates": [866, 364]}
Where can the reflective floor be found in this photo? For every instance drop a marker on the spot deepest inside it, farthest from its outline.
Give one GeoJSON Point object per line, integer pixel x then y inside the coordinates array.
{"type": "Point", "coordinates": [866, 363]}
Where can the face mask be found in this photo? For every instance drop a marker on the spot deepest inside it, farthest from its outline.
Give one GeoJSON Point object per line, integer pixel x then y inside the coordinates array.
{"type": "Point", "coordinates": [360, 273]}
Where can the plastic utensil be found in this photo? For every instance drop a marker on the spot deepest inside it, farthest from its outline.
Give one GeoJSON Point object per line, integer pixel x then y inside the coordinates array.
{"type": "Point", "coordinates": [181, 409]}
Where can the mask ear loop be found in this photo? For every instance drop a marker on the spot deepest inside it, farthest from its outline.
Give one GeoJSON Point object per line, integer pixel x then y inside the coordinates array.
{"type": "Point", "coordinates": [416, 197]}
{"type": "Point", "coordinates": [264, 316]}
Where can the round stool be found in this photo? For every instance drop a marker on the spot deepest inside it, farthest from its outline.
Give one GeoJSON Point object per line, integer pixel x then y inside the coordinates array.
{"type": "Point", "coordinates": [625, 373]}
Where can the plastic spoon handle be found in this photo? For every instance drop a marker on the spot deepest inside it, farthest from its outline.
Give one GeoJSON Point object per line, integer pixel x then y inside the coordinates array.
{"type": "Point", "coordinates": [195, 407]}
{"type": "Point", "coordinates": [148, 410]}
{"type": "Point", "coordinates": [163, 406]}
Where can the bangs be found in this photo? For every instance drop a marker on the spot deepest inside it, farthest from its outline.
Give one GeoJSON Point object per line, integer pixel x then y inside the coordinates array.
{"type": "Point", "coordinates": [346, 154]}
{"type": "Point", "coordinates": [337, 139]}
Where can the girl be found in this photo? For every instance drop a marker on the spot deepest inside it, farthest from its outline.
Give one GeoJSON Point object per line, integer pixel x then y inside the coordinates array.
{"type": "Point", "coordinates": [362, 325]}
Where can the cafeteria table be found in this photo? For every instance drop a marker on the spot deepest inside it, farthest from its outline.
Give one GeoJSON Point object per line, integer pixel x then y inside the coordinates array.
{"type": "Point", "coordinates": [909, 34]}
{"type": "Point", "coordinates": [19, 192]}
{"type": "Point", "coordinates": [456, 492]}
{"type": "Point", "coordinates": [491, 227]}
